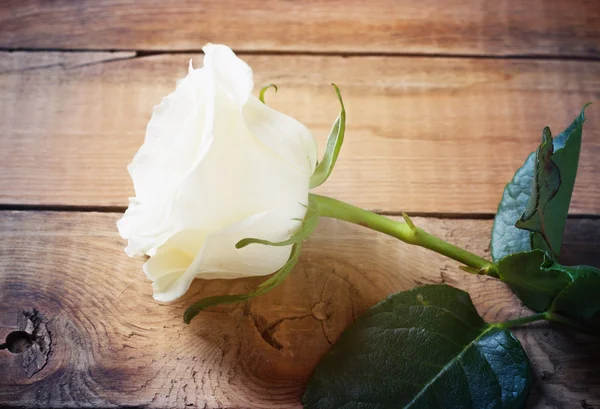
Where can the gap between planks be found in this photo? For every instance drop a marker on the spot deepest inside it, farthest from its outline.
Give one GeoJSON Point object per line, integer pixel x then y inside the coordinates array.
{"type": "Point", "coordinates": [140, 53]}
{"type": "Point", "coordinates": [547, 27]}
{"type": "Point", "coordinates": [122, 209]}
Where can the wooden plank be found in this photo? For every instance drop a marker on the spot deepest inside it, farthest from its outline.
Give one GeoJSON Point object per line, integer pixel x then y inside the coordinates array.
{"type": "Point", "coordinates": [112, 344]}
{"type": "Point", "coordinates": [468, 27]}
{"type": "Point", "coordinates": [424, 134]}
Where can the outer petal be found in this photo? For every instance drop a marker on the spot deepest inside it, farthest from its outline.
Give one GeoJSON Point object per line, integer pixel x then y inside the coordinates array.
{"type": "Point", "coordinates": [283, 134]}
{"type": "Point", "coordinates": [178, 137]}
{"type": "Point", "coordinates": [220, 258]}
{"type": "Point", "coordinates": [167, 268]}
{"type": "Point", "coordinates": [137, 219]}
{"type": "Point", "coordinates": [232, 75]}
{"type": "Point", "coordinates": [174, 266]}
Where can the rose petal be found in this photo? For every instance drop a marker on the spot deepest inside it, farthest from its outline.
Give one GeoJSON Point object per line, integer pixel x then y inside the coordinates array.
{"type": "Point", "coordinates": [283, 134]}
{"type": "Point", "coordinates": [238, 177]}
{"type": "Point", "coordinates": [232, 75]}
{"type": "Point", "coordinates": [220, 258]}
{"type": "Point", "coordinates": [174, 267]}
{"type": "Point", "coordinates": [178, 137]}
{"type": "Point", "coordinates": [167, 268]}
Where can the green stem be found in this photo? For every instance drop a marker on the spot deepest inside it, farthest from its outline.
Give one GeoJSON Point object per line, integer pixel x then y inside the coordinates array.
{"type": "Point", "coordinates": [406, 232]}
{"type": "Point", "coordinates": [521, 321]}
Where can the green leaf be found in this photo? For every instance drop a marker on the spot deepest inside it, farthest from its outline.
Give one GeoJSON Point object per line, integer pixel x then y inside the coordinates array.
{"type": "Point", "coordinates": [545, 185]}
{"type": "Point", "coordinates": [547, 286]}
{"type": "Point", "coordinates": [309, 224]}
{"type": "Point", "coordinates": [535, 286]}
{"type": "Point", "coordinates": [579, 300]}
{"type": "Point", "coordinates": [546, 181]}
{"type": "Point", "coordinates": [276, 279]}
{"type": "Point", "coordinates": [573, 129]}
{"type": "Point", "coordinates": [567, 147]}
{"type": "Point", "coordinates": [334, 144]}
{"type": "Point", "coordinates": [423, 348]}
{"type": "Point", "coordinates": [506, 237]}
{"type": "Point", "coordinates": [261, 95]}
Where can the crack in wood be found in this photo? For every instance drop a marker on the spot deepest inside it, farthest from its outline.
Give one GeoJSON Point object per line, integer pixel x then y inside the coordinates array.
{"type": "Point", "coordinates": [267, 331]}
{"type": "Point", "coordinates": [36, 357]}
{"type": "Point", "coordinates": [66, 66]}
{"type": "Point", "coordinates": [325, 333]}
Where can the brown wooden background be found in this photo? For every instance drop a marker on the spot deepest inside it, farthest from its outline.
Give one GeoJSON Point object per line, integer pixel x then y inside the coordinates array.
{"type": "Point", "coordinates": [445, 99]}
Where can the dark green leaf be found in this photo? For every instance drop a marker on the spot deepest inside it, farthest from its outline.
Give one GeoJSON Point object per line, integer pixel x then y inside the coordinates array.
{"type": "Point", "coordinates": [580, 299]}
{"type": "Point", "coordinates": [561, 140]}
{"type": "Point", "coordinates": [547, 286]}
{"type": "Point", "coordinates": [545, 185]}
{"type": "Point", "coordinates": [567, 147]}
{"type": "Point", "coordinates": [309, 224]}
{"type": "Point", "coordinates": [546, 181]}
{"type": "Point", "coordinates": [506, 237]}
{"type": "Point", "coordinates": [276, 279]}
{"type": "Point", "coordinates": [334, 144]}
{"type": "Point", "coordinates": [423, 348]}
{"type": "Point", "coordinates": [261, 95]}
{"type": "Point", "coordinates": [535, 286]}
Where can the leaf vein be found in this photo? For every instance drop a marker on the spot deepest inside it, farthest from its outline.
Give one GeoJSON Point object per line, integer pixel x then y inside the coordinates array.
{"type": "Point", "coordinates": [445, 368]}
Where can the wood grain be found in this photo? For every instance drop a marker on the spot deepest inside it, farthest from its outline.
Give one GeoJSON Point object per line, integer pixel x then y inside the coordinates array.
{"type": "Point", "coordinates": [438, 135]}
{"type": "Point", "coordinates": [468, 27]}
{"type": "Point", "coordinates": [112, 344]}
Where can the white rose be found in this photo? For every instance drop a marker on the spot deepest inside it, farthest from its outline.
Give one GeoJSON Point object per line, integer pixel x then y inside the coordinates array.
{"type": "Point", "coordinates": [216, 166]}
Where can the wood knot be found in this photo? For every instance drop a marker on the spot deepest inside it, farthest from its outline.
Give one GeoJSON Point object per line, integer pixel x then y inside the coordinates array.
{"type": "Point", "coordinates": [35, 355]}
{"type": "Point", "coordinates": [322, 311]}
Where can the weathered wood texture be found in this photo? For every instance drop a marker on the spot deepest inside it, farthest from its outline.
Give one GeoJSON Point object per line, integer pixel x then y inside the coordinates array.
{"type": "Point", "coordinates": [112, 344]}
{"type": "Point", "coordinates": [423, 134]}
{"type": "Point", "coordinates": [473, 27]}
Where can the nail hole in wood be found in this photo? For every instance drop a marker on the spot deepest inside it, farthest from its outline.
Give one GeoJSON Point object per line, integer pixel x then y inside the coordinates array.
{"type": "Point", "coordinates": [18, 342]}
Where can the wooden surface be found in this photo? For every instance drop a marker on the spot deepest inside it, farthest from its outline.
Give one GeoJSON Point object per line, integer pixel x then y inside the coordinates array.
{"type": "Point", "coordinates": [445, 99]}
{"type": "Point", "coordinates": [468, 27]}
{"type": "Point", "coordinates": [423, 133]}
{"type": "Point", "coordinates": [112, 344]}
